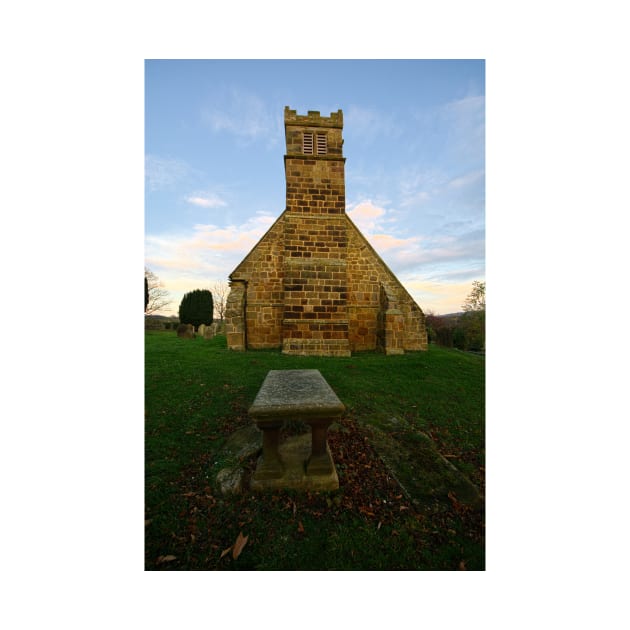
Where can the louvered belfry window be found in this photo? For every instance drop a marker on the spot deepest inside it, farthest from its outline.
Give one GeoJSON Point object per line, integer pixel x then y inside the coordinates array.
{"type": "Point", "coordinates": [308, 143]}
{"type": "Point", "coordinates": [321, 144]}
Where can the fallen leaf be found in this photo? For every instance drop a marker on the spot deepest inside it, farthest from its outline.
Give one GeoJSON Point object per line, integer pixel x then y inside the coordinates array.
{"type": "Point", "coordinates": [225, 552]}
{"type": "Point", "coordinates": [168, 558]}
{"type": "Point", "coordinates": [241, 541]}
{"type": "Point", "coordinates": [462, 566]}
{"type": "Point", "coordinates": [379, 525]}
{"type": "Point", "coordinates": [300, 527]}
{"type": "Point", "coordinates": [148, 522]}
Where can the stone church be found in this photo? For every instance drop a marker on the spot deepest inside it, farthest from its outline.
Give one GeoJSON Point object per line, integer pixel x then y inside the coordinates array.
{"type": "Point", "coordinates": [313, 285]}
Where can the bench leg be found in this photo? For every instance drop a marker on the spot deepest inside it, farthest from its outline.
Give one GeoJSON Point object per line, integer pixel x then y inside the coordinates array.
{"type": "Point", "coordinates": [271, 466]}
{"type": "Point", "coordinates": [320, 462]}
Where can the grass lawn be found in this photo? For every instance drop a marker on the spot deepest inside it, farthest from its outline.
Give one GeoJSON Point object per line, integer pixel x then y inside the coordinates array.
{"type": "Point", "coordinates": [197, 394]}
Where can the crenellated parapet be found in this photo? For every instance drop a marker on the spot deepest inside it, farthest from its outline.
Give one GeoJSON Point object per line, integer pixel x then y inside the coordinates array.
{"type": "Point", "coordinates": [313, 119]}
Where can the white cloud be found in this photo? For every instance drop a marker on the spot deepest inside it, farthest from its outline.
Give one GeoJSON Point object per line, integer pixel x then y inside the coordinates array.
{"type": "Point", "coordinates": [466, 127]}
{"type": "Point", "coordinates": [365, 125]}
{"type": "Point", "coordinates": [243, 114]}
{"type": "Point", "coordinates": [207, 201]}
{"type": "Point", "coordinates": [466, 180]}
{"type": "Point", "coordinates": [202, 256]}
{"type": "Point", "coordinates": [467, 109]}
{"type": "Point", "coordinates": [161, 173]}
{"type": "Point", "coordinates": [438, 251]}
{"type": "Point", "coordinates": [418, 186]}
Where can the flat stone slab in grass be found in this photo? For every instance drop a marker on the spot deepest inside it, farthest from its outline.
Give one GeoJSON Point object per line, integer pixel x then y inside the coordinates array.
{"type": "Point", "coordinates": [295, 393]}
{"type": "Point", "coordinates": [422, 471]}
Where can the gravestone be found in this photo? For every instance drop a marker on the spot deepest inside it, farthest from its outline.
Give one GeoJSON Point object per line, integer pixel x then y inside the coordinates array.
{"type": "Point", "coordinates": [186, 331]}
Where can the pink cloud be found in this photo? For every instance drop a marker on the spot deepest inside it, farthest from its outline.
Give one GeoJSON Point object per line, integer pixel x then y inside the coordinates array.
{"type": "Point", "coordinates": [366, 215]}
{"type": "Point", "coordinates": [387, 242]}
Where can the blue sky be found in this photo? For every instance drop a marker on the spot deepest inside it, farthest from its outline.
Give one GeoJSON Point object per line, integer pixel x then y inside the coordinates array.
{"type": "Point", "coordinates": [414, 136]}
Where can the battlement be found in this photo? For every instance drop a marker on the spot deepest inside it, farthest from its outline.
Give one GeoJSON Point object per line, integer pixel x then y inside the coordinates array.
{"type": "Point", "coordinates": [313, 119]}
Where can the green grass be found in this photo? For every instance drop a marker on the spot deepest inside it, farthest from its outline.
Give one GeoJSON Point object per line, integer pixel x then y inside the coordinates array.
{"type": "Point", "coordinates": [197, 393]}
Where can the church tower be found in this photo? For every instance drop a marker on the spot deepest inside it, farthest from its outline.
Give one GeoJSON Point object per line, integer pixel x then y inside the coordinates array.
{"type": "Point", "coordinates": [313, 285]}
{"type": "Point", "coordinates": [315, 278]}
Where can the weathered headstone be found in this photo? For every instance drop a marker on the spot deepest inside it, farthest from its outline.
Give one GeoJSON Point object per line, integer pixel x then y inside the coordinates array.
{"type": "Point", "coordinates": [201, 329]}
{"type": "Point", "coordinates": [186, 331]}
{"type": "Point", "coordinates": [210, 331]}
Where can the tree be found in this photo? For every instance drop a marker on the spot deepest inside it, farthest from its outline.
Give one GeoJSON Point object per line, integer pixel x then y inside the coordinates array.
{"type": "Point", "coordinates": [196, 308]}
{"type": "Point", "coordinates": [156, 298]}
{"type": "Point", "coordinates": [476, 300]}
{"type": "Point", "coordinates": [220, 291]}
{"type": "Point", "coordinates": [473, 321]}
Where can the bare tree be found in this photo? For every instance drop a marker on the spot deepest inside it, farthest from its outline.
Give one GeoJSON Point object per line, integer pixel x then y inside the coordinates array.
{"type": "Point", "coordinates": [476, 300]}
{"type": "Point", "coordinates": [220, 292]}
{"type": "Point", "coordinates": [159, 298]}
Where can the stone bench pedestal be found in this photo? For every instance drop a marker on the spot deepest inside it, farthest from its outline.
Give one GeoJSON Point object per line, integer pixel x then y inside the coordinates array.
{"type": "Point", "coordinates": [295, 395]}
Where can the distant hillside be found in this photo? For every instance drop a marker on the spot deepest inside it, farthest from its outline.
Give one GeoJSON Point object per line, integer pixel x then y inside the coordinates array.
{"type": "Point", "coordinates": [451, 318]}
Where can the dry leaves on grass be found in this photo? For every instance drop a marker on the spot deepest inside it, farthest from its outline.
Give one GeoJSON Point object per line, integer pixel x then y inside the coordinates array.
{"type": "Point", "coordinates": [168, 558]}
{"type": "Point", "coordinates": [237, 547]}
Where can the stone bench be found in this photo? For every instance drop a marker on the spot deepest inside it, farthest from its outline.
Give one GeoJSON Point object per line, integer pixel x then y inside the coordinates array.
{"type": "Point", "coordinates": [295, 395]}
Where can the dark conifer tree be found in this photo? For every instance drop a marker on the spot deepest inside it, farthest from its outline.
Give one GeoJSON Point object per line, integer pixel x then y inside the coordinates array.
{"type": "Point", "coordinates": [196, 308]}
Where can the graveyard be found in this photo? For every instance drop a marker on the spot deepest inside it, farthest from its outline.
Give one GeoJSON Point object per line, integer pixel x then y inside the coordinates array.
{"type": "Point", "coordinates": [408, 453]}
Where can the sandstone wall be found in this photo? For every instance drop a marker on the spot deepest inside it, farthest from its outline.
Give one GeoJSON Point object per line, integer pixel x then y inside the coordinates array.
{"type": "Point", "coordinates": [258, 302]}
{"type": "Point", "coordinates": [300, 299]}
